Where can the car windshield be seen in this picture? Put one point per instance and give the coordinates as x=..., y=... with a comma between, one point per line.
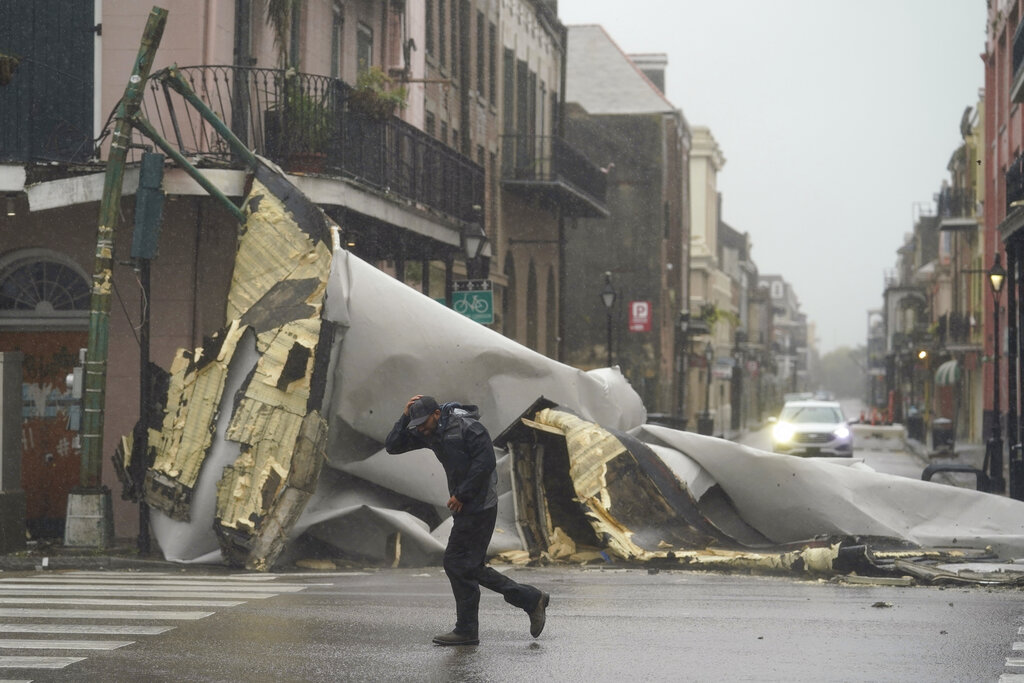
x=820, y=414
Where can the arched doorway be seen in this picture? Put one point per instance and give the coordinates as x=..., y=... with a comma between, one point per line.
x=44, y=314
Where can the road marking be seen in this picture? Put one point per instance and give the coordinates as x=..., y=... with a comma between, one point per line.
x=1018, y=645
x=206, y=585
x=114, y=602
x=1015, y=661
x=99, y=614
x=120, y=592
x=87, y=629
x=42, y=644
x=105, y=574
x=37, y=662
x=122, y=596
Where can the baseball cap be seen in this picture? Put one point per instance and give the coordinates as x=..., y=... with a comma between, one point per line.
x=421, y=410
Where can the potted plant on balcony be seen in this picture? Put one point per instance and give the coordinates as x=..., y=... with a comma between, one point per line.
x=376, y=95
x=299, y=128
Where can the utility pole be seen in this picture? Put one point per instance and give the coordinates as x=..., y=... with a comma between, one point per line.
x=90, y=519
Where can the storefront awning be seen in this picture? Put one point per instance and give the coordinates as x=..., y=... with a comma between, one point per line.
x=948, y=374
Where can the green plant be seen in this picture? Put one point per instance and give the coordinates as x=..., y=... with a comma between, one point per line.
x=305, y=119
x=376, y=94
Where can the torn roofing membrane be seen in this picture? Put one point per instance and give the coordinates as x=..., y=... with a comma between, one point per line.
x=319, y=353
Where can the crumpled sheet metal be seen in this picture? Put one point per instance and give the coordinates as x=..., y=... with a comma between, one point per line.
x=392, y=342
x=638, y=508
x=395, y=343
x=788, y=499
x=278, y=286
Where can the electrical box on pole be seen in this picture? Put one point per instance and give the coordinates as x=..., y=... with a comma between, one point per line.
x=149, y=207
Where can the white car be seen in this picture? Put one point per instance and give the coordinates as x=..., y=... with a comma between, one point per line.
x=812, y=428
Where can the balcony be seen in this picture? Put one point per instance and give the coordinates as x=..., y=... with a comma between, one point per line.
x=305, y=123
x=1017, y=77
x=957, y=210
x=955, y=332
x=547, y=167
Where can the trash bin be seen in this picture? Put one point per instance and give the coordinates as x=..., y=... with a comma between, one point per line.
x=942, y=433
x=915, y=427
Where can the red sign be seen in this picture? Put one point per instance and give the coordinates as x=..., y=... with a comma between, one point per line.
x=639, y=316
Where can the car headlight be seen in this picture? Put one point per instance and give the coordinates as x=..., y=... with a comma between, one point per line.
x=842, y=431
x=782, y=432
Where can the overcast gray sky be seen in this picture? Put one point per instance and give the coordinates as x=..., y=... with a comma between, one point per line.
x=835, y=119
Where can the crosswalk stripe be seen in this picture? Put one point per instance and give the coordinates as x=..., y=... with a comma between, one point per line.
x=126, y=591
x=37, y=662
x=250, y=577
x=100, y=614
x=87, y=629
x=275, y=588
x=115, y=602
x=42, y=644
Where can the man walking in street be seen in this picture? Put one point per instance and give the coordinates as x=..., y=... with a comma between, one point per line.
x=463, y=447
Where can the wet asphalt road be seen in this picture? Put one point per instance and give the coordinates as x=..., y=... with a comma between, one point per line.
x=604, y=624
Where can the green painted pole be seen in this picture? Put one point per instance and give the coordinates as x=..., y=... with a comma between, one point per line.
x=110, y=206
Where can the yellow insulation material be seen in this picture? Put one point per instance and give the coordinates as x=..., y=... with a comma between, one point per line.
x=270, y=250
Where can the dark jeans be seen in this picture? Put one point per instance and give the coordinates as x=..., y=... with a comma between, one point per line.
x=464, y=565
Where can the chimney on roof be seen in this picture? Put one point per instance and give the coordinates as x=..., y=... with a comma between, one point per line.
x=653, y=66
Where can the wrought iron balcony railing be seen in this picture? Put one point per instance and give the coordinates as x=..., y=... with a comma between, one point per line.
x=956, y=203
x=549, y=166
x=954, y=329
x=1015, y=183
x=308, y=122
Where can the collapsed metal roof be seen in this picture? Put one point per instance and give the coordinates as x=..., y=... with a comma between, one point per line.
x=271, y=444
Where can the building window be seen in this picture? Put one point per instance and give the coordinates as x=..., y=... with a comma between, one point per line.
x=38, y=284
x=337, y=31
x=364, y=47
x=296, y=32
x=453, y=17
x=481, y=55
x=430, y=124
x=480, y=158
x=509, y=92
x=444, y=132
x=492, y=66
x=430, y=27
x=442, y=42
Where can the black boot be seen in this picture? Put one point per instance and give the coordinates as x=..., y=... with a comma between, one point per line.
x=539, y=615
x=456, y=638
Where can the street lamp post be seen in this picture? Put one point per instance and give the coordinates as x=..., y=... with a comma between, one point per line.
x=994, y=452
x=705, y=425
x=684, y=362
x=608, y=297
x=474, y=239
